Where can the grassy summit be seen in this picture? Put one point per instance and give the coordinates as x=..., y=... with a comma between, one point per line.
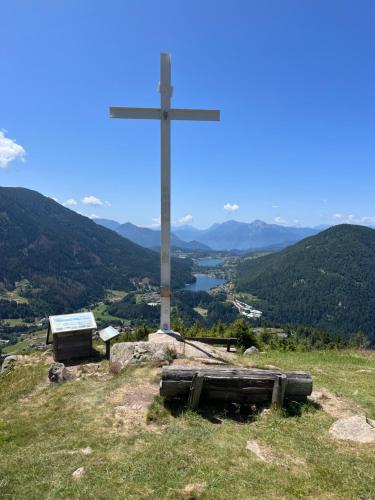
x=139, y=450
x=326, y=281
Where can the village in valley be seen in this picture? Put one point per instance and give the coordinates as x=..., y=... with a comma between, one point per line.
x=18, y=335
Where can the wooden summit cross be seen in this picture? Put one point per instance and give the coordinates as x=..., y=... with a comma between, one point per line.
x=165, y=114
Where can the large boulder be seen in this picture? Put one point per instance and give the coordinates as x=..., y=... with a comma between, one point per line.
x=125, y=353
x=9, y=363
x=356, y=428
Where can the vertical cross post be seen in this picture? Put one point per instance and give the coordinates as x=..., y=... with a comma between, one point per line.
x=165, y=114
x=165, y=90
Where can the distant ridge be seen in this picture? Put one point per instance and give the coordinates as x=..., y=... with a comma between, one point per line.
x=234, y=235
x=148, y=238
x=226, y=236
x=108, y=223
x=327, y=281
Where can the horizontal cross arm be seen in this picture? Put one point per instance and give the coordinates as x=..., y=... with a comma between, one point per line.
x=209, y=115
x=135, y=113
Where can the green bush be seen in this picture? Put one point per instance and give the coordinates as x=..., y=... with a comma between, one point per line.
x=244, y=334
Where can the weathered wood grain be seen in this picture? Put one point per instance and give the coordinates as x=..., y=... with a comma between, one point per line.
x=236, y=384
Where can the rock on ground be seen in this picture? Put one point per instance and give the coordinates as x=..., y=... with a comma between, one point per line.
x=125, y=353
x=356, y=428
x=58, y=374
x=250, y=351
x=86, y=451
x=190, y=349
x=79, y=473
x=162, y=349
x=9, y=363
x=254, y=447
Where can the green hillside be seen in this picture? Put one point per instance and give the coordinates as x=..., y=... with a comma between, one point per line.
x=64, y=260
x=327, y=281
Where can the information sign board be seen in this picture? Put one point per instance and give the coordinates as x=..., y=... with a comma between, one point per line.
x=108, y=333
x=72, y=322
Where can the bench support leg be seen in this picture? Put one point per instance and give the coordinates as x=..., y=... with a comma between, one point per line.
x=278, y=391
x=195, y=391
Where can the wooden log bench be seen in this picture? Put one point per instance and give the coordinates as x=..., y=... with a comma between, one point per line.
x=233, y=385
x=226, y=341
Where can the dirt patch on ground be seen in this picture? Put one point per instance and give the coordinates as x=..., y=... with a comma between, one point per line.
x=202, y=362
x=193, y=491
x=268, y=455
x=131, y=401
x=334, y=405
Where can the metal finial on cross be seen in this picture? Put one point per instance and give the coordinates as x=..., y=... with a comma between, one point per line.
x=165, y=114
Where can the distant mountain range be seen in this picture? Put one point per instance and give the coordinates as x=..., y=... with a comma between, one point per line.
x=230, y=235
x=63, y=260
x=326, y=281
x=147, y=237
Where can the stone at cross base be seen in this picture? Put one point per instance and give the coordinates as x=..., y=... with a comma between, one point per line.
x=165, y=337
x=190, y=349
x=162, y=348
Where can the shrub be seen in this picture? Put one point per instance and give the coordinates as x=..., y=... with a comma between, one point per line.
x=244, y=334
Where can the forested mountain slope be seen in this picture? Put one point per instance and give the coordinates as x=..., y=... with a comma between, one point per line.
x=66, y=258
x=327, y=280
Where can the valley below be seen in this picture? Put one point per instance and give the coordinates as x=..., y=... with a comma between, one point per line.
x=56, y=261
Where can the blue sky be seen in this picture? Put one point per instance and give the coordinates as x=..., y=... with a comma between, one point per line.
x=295, y=82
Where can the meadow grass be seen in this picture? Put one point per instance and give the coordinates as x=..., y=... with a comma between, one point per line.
x=101, y=313
x=24, y=345
x=189, y=455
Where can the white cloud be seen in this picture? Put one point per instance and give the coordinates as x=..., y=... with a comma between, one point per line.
x=275, y=206
x=353, y=219
x=186, y=219
x=9, y=150
x=70, y=202
x=349, y=219
x=368, y=219
x=92, y=200
x=228, y=207
x=108, y=203
x=93, y=216
x=280, y=220
x=155, y=222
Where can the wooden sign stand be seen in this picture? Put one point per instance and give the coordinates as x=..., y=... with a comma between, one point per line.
x=106, y=335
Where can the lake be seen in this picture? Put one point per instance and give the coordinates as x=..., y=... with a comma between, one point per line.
x=209, y=262
x=204, y=283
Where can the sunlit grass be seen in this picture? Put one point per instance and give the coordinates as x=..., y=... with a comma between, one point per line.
x=43, y=427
